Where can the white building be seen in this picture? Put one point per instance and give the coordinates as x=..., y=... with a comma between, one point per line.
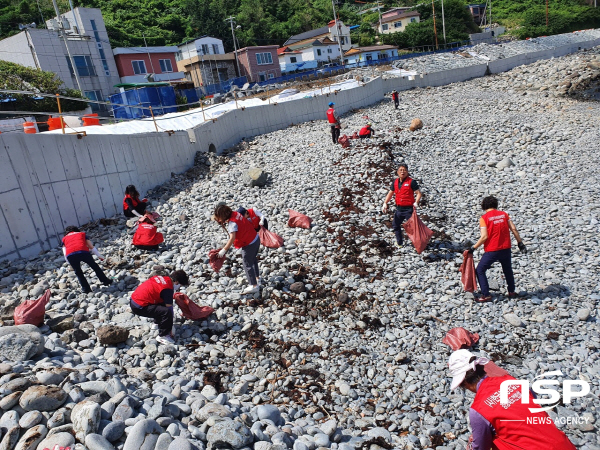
x=395, y=21
x=339, y=33
x=89, y=47
x=308, y=54
x=202, y=46
x=361, y=56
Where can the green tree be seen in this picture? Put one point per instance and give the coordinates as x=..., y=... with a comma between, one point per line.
x=20, y=78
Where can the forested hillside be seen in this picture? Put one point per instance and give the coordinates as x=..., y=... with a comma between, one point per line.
x=169, y=22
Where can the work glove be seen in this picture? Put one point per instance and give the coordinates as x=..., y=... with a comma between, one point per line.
x=416, y=205
x=522, y=248
x=97, y=253
x=222, y=253
x=262, y=221
x=470, y=250
x=385, y=208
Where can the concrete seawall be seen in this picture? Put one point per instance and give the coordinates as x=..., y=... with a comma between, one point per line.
x=50, y=181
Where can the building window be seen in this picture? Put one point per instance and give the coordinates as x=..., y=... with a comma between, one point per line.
x=96, y=96
x=384, y=27
x=319, y=52
x=84, y=65
x=166, y=66
x=369, y=57
x=264, y=58
x=342, y=40
x=398, y=24
x=215, y=49
x=293, y=59
x=329, y=50
x=262, y=76
x=271, y=76
x=475, y=10
x=413, y=19
x=139, y=67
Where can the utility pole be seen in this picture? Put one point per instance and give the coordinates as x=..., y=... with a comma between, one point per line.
x=61, y=29
x=443, y=23
x=231, y=19
x=546, y=13
x=148, y=51
x=339, y=32
x=434, y=28
x=379, y=10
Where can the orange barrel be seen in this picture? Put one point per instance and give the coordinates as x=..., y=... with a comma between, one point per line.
x=91, y=120
x=29, y=127
x=54, y=123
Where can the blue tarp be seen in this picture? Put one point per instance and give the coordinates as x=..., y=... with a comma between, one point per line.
x=162, y=99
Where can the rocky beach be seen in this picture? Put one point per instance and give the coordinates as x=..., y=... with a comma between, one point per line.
x=342, y=349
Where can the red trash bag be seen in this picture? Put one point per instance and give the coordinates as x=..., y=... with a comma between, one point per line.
x=32, y=311
x=354, y=136
x=269, y=239
x=298, y=220
x=344, y=141
x=213, y=259
x=191, y=310
x=468, y=277
x=458, y=338
x=417, y=232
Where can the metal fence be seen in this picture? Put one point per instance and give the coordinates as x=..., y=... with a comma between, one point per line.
x=220, y=88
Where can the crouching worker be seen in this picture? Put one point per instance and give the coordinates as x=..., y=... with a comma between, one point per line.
x=257, y=218
x=146, y=236
x=242, y=235
x=77, y=248
x=366, y=132
x=132, y=205
x=499, y=425
x=154, y=299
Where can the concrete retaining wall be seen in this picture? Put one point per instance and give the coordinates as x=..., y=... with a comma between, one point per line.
x=51, y=181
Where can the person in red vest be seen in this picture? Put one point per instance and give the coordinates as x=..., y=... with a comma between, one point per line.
x=255, y=216
x=334, y=123
x=154, y=299
x=404, y=189
x=495, y=227
x=242, y=235
x=146, y=236
x=77, y=248
x=132, y=205
x=396, y=98
x=502, y=426
x=366, y=131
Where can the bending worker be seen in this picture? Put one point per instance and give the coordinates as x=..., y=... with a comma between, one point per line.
x=334, y=123
x=494, y=227
x=242, y=235
x=366, y=131
x=77, y=248
x=154, y=299
x=404, y=189
x=132, y=205
x=502, y=426
x=146, y=236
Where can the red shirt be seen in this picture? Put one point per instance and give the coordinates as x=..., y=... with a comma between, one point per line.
x=75, y=242
x=148, y=293
x=515, y=426
x=146, y=235
x=246, y=233
x=365, y=131
x=496, y=223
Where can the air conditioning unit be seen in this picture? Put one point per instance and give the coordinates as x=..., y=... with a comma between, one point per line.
x=53, y=24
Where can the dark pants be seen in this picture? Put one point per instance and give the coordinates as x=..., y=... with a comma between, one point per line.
x=147, y=247
x=396, y=103
x=335, y=134
x=140, y=208
x=487, y=260
x=400, y=216
x=250, y=262
x=162, y=316
x=362, y=136
x=76, y=259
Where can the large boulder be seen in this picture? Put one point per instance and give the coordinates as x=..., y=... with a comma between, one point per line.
x=229, y=434
x=42, y=398
x=255, y=177
x=86, y=419
x=60, y=324
x=143, y=434
x=20, y=343
x=112, y=335
x=416, y=124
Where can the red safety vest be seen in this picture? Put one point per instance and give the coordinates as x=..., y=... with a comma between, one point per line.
x=498, y=231
x=395, y=95
x=146, y=235
x=254, y=219
x=331, y=116
x=365, y=131
x=75, y=242
x=148, y=293
x=133, y=201
x=245, y=232
x=405, y=196
x=516, y=427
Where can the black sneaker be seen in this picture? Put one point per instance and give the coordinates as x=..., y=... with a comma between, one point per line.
x=108, y=283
